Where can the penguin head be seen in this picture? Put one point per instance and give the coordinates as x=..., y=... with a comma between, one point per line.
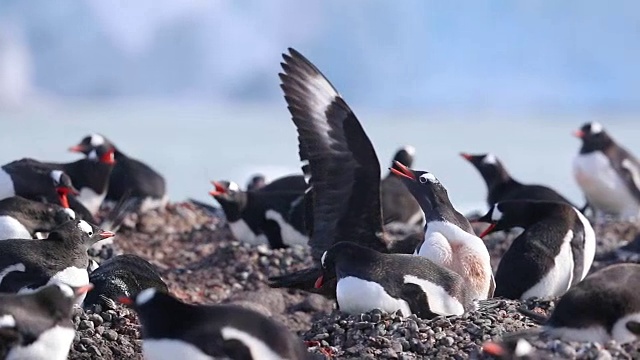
x=62, y=214
x=405, y=156
x=515, y=349
x=91, y=142
x=103, y=154
x=496, y=219
x=231, y=198
x=509, y=214
x=424, y=186
x=346, y=251
x=79, y=230
x=58, y=298
x=593, y=136
x=256, y=182
x=151, y=305
x=489, y=166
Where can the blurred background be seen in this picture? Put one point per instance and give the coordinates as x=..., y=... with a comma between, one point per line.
x=191, y=86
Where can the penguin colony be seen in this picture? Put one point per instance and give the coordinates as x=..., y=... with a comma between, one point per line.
x=340, y=207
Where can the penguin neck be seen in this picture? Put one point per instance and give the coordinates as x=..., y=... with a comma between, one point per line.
x=601, y=145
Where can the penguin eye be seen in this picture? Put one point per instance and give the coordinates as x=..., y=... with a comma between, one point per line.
x=425, y=178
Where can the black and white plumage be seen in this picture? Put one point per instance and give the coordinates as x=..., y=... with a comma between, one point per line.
x=38, y=326
x=368, y=279
x=26, y=265
x=265, y=216
x=398, y=205
x=122, y=275
x=449, y=240
x=256, y=182
x=130, y=177
x=604, y=306
x=501, y=186
x=172, y=329
x=21, y=218
x=554, y=252
x=607, y=173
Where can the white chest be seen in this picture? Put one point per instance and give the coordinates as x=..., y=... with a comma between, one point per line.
x=90, y=199
x=6, y=185
x=558, y=280
x=169, y=349
x=290, y=236
x=242, y=232
x=589, y=250
x=53, y=344
x=74, y=277
x=603, y=186
x=257, y=347
x=10, y=228
x=356, y=296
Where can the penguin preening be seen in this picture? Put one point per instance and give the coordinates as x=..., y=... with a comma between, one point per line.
x=554, y=252
x=607, y=173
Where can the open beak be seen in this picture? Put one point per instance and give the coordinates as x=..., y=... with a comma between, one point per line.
x=466, y=156
x=579, y=134
x=83, y=289
x=319, y=282
x=125, y=300
x=77, y=148
x=487, y=230
x=107, y=234
x=403, y=172
x=219, y=189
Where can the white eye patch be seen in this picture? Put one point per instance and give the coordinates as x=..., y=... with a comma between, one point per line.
x=85, y=227
x=496, y=215
x=490, y=159
x=93, y=155
x=70, y=212
x=145, y=296
x=428, y=177
x=596, y=128
x=96, y=140
x=233, y=186
x=324, y=256
x=56, y=175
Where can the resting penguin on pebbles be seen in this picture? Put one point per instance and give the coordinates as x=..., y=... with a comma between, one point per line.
x=38, y=326
x=608, y=174
x=174, y=330
x=554, y=252
x=449, y=240
x=348, y=241
x=604, y=306
x=21, y=218
x=26, y=265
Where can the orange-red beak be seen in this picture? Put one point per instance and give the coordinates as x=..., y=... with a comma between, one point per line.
x=77, y=148
x=579, y=134
x=125, y=300
x=83, y=289
x=466, y=156
x=319, y=282
x=492, y=348
x=219, y=189
x=487, y=230
x=107, y=234
x=403, y=172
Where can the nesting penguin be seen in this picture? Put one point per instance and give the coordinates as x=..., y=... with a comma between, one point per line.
x=554, y=252
x=26, y=265
x=501, y=186
x=173, y=330
x=21, y=218
x=38, y=326
x=263, y=216
x=604, y=306
x=607, y=173
x=449, y=240
x=129, y=177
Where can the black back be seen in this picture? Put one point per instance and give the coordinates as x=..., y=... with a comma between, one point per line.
x=33, y=215
x=344, y=168
x=123, y=275
x=502, y=187
x=532, y=254
x=92, y=173
x=600, y=299
x=165, y=317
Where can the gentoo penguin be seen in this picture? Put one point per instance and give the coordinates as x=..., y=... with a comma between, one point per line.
x=128, y=175
x=256, y=182
x=554, y=252
x=607, y=173
x=343, y=169
x=90, y=176
x=604, y=306
x=398, y=205
x=172, y=330
x=21, y=218
x=123, y=275
x=26, y=265
x=501, y=186
x=262, y=216
x=516, y=348
x=368, y=279
x=38, y=326
x=449, y=240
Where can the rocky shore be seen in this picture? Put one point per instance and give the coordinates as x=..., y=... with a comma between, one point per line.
x=201, y=263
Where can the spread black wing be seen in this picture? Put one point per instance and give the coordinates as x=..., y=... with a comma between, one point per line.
x=344, y=168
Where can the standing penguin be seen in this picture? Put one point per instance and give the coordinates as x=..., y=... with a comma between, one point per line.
x=501, y=186
x=449, y=240
x=38, y=326
x=554, y=252
x=21, y=218
x=173, y=330
x=26, y=265
x=607, y=173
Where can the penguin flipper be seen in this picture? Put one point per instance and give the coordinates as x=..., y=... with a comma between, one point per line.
x=417, y=300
